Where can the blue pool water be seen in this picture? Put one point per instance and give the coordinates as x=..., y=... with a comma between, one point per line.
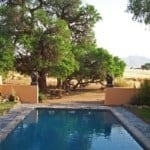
x=53, y=129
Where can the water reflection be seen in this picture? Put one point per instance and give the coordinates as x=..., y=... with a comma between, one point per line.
x=68, y=130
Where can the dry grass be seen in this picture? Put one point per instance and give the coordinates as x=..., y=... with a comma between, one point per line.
x=17, y=79
x=134, y=77
x=136, y=74
x=120, y=82
x=5, y=107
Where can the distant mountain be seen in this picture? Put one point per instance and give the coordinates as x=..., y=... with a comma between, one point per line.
x=136, y=61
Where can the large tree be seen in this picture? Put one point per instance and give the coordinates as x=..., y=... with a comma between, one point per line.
x=118, y=67
x=140, y=10
x=94, y=66
x=6, y=52
x=49, y=50
x=43, y=32
x=80, y=18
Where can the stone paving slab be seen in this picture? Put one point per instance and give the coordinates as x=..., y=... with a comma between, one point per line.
x=135, y=121
x=10, y=120
x=135, y=125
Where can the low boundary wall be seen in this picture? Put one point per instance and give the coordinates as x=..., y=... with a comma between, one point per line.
x=119, y=96
x=26, y=93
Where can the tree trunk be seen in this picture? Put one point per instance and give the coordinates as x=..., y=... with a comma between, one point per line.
x=34, y=78
x=59, y=83
x=42, y=81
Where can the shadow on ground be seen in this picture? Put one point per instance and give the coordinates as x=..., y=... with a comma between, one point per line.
x=87, y=95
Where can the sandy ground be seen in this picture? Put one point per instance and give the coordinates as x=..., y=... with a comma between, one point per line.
x=91, y=94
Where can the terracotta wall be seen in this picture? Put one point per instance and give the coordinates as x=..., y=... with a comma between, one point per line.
x=119, y=96
x=0, y=89
x=26, y=93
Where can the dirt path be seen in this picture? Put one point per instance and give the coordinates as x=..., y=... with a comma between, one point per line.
x=91, y=94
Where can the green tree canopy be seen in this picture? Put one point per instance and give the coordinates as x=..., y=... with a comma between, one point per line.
x=146, y=66
x=118, y=67
x=95, y=64
x=6, y=53
x=43, y=33
x=140, y=10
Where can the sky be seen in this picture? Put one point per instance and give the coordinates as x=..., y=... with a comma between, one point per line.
x=117, y=32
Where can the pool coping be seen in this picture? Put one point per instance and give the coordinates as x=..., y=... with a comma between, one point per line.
x=10, y=120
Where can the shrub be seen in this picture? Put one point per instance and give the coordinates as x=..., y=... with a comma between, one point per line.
x=13, y=97
x=42, y=97
x=143, y=96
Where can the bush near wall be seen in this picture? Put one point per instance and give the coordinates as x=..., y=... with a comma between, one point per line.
x=143, y=96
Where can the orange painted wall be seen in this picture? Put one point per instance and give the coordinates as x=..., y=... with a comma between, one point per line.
x=0, y=89
x=119, y=96
x=26, y=93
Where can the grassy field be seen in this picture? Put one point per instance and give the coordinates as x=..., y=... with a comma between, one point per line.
x=5, y=107
x=142, y=112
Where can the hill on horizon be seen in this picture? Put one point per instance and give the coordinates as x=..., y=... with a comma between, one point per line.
x=136, y=61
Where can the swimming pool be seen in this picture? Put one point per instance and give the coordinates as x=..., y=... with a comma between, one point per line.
x=60, y=129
